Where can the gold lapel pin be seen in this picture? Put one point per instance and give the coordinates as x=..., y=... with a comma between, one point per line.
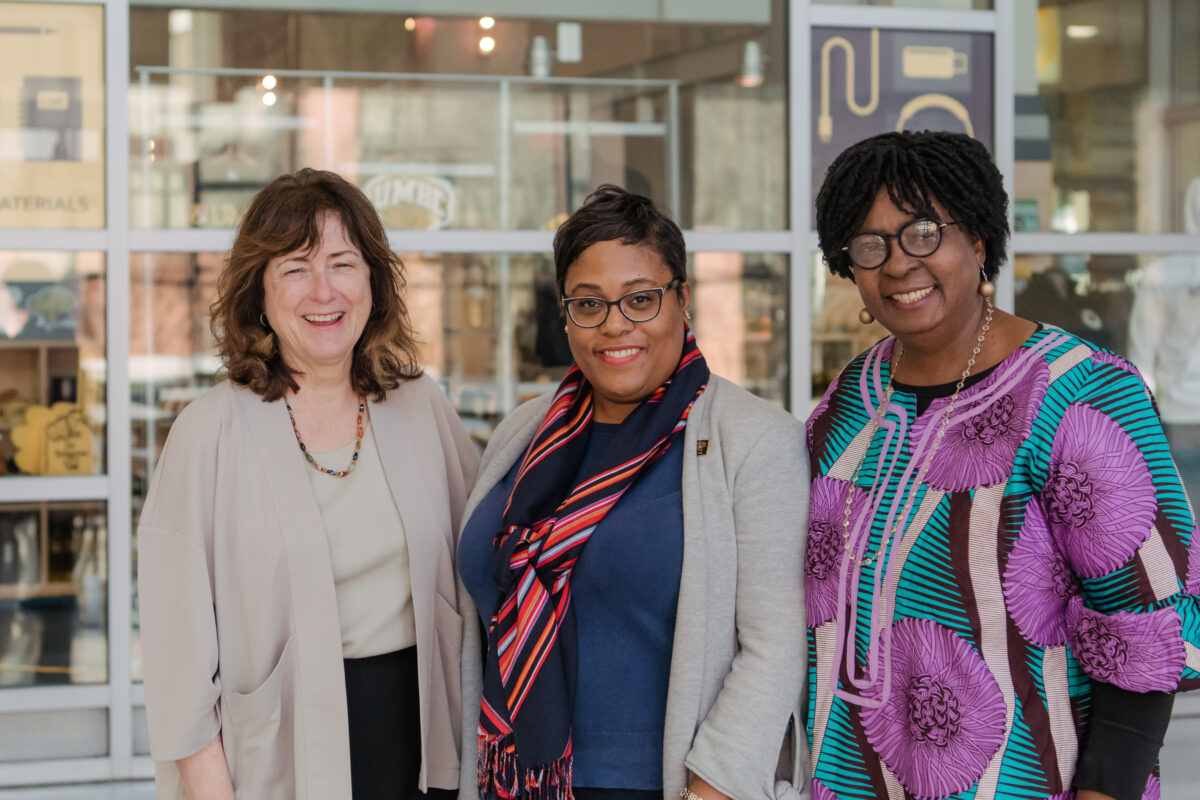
x=702, y=447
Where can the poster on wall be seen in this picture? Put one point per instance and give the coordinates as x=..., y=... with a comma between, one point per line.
x=867, y=81
x=51, y=115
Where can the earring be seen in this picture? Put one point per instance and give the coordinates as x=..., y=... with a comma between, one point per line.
x=687, y=315
x=987, y=288
x=866, y=317
x=262, y=320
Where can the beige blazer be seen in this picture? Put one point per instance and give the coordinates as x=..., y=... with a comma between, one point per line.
x=239, y=618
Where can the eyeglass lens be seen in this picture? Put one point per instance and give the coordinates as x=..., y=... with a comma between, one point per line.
x=918, y=238
x=641, y=306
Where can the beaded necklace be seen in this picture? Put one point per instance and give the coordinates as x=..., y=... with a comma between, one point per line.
x=362, y=407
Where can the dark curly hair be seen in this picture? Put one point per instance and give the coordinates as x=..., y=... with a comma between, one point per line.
x=286, y=217
x=917, y=168
x=613, y=214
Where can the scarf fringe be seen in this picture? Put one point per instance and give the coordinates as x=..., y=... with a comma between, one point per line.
x=498, y=771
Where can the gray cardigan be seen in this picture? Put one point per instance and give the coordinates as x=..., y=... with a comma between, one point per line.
x=737, y=665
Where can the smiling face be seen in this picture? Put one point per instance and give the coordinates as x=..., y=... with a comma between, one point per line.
x=930, y=301
x=625, y=361
x=318, y=301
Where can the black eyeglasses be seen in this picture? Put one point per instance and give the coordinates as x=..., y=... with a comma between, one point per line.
x=640, y=306
x=919, y=238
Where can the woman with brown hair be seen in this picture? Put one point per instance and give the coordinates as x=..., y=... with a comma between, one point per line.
x=299, y=621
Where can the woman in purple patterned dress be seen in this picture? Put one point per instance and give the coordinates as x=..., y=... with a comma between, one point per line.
x=1002, y=566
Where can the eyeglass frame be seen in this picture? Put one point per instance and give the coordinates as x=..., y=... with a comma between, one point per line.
x=662, y=294
x=888, y=237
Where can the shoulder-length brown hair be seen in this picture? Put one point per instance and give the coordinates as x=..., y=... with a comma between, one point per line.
x=286, y=217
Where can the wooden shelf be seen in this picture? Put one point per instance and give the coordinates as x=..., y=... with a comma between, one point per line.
x=24, y=591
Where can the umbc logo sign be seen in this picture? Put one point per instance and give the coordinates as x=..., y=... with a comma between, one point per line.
x=412, y=202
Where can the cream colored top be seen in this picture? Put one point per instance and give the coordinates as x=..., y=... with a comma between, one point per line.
x=369, y=552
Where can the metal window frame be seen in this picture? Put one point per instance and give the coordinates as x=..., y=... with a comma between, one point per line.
x=114, y=486
x=119, y=696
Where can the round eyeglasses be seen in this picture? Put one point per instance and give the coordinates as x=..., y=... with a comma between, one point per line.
x=640, y=306
x=919, y=238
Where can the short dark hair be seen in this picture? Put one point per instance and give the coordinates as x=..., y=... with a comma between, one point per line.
x=916, y=168
x=613, y=214
x=286, y=217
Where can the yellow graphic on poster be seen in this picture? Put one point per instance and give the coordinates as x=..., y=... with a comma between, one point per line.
x=51, y=115
x=54, y=441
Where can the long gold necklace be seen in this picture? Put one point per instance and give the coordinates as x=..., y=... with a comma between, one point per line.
x=911, y=493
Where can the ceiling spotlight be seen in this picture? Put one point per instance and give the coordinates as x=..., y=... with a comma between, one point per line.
x=269, y=82
x=410, y=24
x=487, y=23
x=752, y=66
x=269, y=99
x=1082, y=31
x=179, y=21
x=487, y=44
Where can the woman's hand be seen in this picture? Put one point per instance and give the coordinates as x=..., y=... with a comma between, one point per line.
x=700, y=787
x=205, y=774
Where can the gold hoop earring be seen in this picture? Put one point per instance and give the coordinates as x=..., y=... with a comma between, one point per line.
x=987, y=288
x=866, y=317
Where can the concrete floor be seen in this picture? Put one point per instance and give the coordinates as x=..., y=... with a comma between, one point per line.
x=1180, y=769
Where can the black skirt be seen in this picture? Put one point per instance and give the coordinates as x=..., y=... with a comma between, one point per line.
x=383, y=702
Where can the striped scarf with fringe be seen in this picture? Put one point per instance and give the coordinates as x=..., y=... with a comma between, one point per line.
x=529, y=675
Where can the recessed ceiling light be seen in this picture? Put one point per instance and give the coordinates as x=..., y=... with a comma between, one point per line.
x=487, y=44
x=487, y=23
x=1082, y=31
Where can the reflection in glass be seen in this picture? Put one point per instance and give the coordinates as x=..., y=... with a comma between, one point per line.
x=1106, y=115
x=53, y=594
x=740, y=315
x=442, y=137
x=171, y=362
x=52, y=363
x=837, y=333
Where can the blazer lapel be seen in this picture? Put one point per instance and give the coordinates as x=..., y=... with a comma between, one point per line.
x=295, y=505
x=408, y=444
x=314, y=598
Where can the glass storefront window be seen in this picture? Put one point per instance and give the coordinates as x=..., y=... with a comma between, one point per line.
x=52, y=116
x=1107, y=113
x=837, y=333
x=53, y=594
x=692, y=114
x=52, y=363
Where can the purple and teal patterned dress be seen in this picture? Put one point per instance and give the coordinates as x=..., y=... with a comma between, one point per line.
x=1050, y=540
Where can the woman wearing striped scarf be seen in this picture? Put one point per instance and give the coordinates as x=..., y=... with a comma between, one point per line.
x=633, y=551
